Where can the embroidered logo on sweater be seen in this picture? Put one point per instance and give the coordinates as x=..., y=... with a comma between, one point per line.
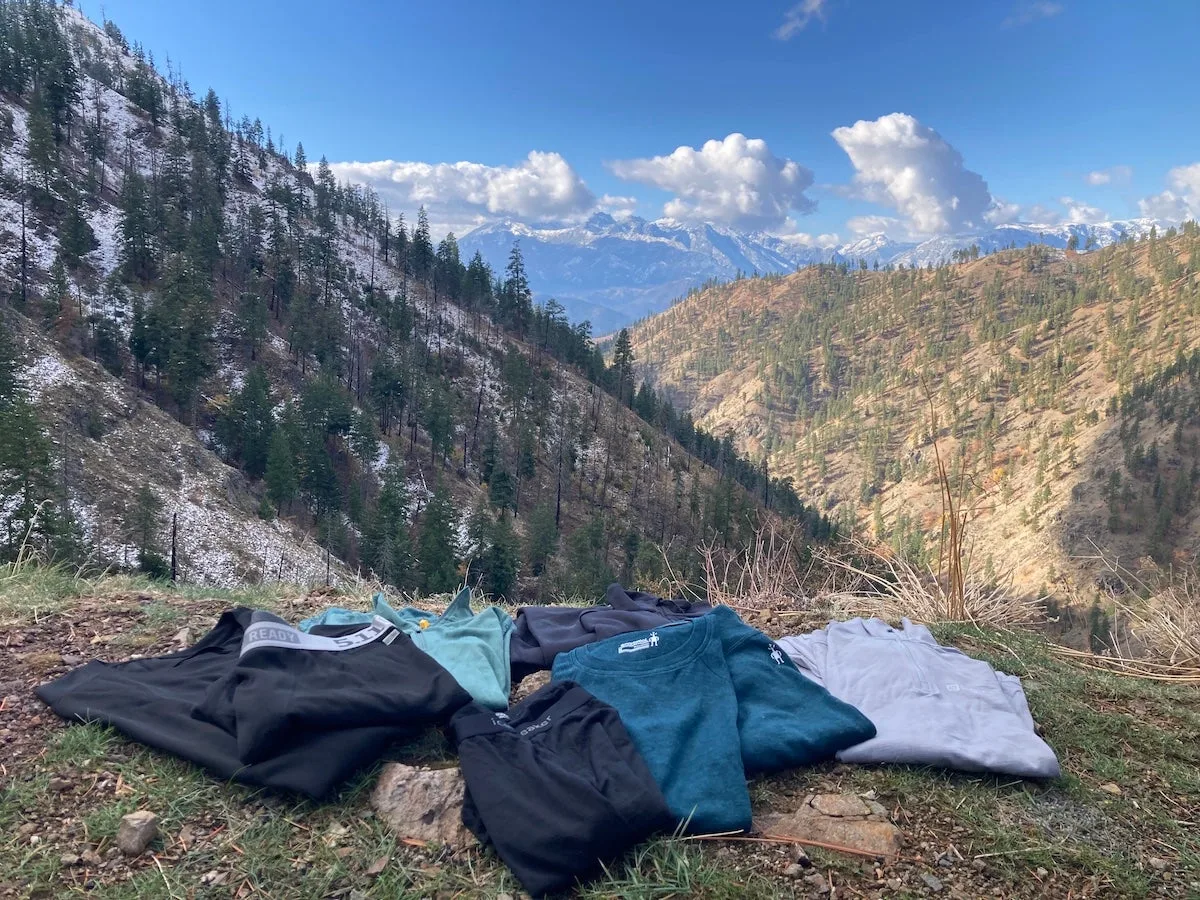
x=777, y=655
x=639, y=644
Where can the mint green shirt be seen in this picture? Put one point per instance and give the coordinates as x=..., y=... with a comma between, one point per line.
x=473, y=648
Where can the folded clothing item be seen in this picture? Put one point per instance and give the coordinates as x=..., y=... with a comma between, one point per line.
x=260, y=702
x=555, y=785
x=473, y=648
x=932, y=705
x=542, y=632
x=707, y=701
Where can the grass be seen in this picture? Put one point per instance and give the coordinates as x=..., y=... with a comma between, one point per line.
x=223, y=840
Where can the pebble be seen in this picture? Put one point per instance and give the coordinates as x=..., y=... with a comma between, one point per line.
x=801, y=856
x=1157, y=864
x=795, y=870
x=59, y=784
x=1111, y=788
x=817, y=882
x=136, y=832
x=69, y=859
x=91, y=858
x=978, y=865
x=931, y=881
x=71, y=660
x=945, y=861
x=1041, y=872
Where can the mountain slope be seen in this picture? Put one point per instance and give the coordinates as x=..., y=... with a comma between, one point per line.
x=1048, y=374
x=613, y=273
x=210, y=323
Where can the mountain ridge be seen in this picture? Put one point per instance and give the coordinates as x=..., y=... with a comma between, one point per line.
x=613, y=272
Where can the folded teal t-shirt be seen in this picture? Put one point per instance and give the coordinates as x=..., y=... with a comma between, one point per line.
x=674, y=694
x=709, y=701
x=472, y=648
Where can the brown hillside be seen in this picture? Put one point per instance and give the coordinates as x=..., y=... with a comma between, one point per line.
x=828, y=374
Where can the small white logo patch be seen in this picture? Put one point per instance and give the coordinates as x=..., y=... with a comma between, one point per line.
x=639, y=644
x=776, y=655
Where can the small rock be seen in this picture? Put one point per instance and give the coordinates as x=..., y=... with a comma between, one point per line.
x=1111, y=788
x=945, y=861
x=817, y=882
x=1041, y=872
x=26, y=828
x=1157, y=864
x=377, y=867
x=213, y=878
x=183, y=637
x=91, y=858
x=58, y=784
x=931, y=881
x=137, y=830
x=799, y=854
x=839, y=805
x=71, y=660
x=69, y=859
x=978, y=865
x=894, y=884
x=422, y=803
x=795, y=870
x=878, y=808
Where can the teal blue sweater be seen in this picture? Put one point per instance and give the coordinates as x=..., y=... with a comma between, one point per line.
x=708, y=701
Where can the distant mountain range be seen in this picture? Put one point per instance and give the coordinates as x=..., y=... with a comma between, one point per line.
x=615, y=272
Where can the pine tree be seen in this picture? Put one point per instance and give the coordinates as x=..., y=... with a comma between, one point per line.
x=252, y=321
x=137, y=253
x=588, y=571
x=76, y=237
x=282, y=485
x=437, y=551
x=247, y=426
x=502, y=560
x=386, y=546
x=622, y=367
x=542, y=540
x=42, y=152
x=144, y=525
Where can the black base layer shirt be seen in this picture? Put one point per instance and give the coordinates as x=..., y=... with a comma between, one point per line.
x=556, y=785
x=260, y=702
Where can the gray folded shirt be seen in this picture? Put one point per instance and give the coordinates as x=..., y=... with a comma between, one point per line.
x=931, y=705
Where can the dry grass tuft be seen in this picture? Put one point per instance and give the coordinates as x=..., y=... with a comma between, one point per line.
x=880, y=584
x=765, y=575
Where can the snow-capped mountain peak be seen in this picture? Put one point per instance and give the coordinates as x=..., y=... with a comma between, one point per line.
x=613, y=272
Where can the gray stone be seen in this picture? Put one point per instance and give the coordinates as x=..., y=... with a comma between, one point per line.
x=422, y=804
x=839, y=805
x=91, y=858
x=931, y=881
x=817, y=882
x=137, y=830
x=183, y=637
x=69, y=859
x=1157, y=864
x=878, y=809
x=795, y=870
x=70, y=660
x=58, y=784
x=894, y=884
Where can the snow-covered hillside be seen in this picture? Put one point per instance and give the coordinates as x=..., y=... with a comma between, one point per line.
x=614, y=272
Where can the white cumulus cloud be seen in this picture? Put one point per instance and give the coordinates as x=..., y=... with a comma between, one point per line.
x=458, y=195
x=620, y=208
x=1080, y=213
x=1180, y=201
x=737, y=181
x=797, y=17
x=1111, y=175
x=910, y=167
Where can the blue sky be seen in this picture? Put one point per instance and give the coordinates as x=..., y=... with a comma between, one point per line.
x=1094, y=102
